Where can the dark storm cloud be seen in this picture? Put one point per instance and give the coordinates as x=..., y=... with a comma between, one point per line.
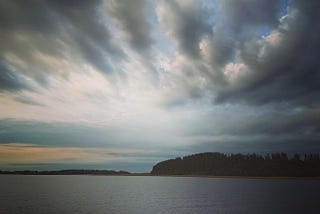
x=305, y=123
x=243, y=15
x=248, y=129
x=186, y=24
x=235, y=23
x=262, y=145
x=132, y=17
x=64, y=30
x=280, y=67
x=261, y=141
x=271, y=123
x=289, y=71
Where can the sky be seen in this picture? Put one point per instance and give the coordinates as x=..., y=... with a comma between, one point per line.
x=123, y=84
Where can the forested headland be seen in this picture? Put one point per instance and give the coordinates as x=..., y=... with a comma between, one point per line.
x=219, y=164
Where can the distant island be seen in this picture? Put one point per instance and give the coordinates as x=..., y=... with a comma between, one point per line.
x=67, y=172
x=250, y=165
x=214, y=164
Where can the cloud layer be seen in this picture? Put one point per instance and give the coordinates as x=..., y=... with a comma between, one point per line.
x=171, y=76
x=248, y=51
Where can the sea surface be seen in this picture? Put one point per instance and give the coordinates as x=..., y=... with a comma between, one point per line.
x=122, y=194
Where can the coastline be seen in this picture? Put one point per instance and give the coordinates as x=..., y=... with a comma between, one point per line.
x=185, y=176
x=217, y=176
x=242, y=177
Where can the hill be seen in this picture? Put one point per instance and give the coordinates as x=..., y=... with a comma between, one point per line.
x=219, y=164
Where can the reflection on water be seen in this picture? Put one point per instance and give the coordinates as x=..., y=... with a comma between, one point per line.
x=117, y=194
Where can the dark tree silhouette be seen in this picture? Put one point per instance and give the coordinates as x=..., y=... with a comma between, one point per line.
x=219, y=164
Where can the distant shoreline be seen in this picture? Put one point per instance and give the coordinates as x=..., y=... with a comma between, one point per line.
x=217, y=176
x=65, y=172
x=186, y=176
x=240, y=177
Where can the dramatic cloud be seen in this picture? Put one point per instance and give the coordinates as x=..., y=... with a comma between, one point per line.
x=243, y=16
x=282, y=66
x=42, y=38
x=185, y=23
x=132, y=17
x=165, y=77
x=248, y=51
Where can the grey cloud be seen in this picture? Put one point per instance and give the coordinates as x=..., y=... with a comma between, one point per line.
x=305, y=124
x=9, y=81
x=275, y=71
x=69, y=135
x=289, y=72
x=236, y=22
x=259, y=143
x=132, y=17
x=42, y=134
x=54, y=134
x=27, y=100
x=186, y=24
x=64, y=30
x=262, y=145
x=89, y=32
x=270, y=121
x=20, y=15
x=250, y=129
x=93, y=53
x=243, y=15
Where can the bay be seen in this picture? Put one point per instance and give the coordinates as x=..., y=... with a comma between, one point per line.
x=83, y=194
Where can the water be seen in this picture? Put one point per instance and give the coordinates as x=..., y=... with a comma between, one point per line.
x=120, y=194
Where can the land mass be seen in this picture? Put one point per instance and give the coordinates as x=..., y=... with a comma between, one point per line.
x=250, y=165
x=67, y=172
x=213, y=164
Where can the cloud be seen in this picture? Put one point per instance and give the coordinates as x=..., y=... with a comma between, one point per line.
x=138, y=131
x=303, y=124
x=9, y=80
x=242, y=16
x=51, y=134
x=14, y=153
x=247, y=51
x=27, y=100
x=35, y=34
x=283, y=66
x=184, y=22
x=244, y=51
x=132, y=18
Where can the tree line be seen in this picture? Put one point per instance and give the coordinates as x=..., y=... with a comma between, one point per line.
x=219, y=164
x=67, y=172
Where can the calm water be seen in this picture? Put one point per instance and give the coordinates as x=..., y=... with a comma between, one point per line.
x=103, y=194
